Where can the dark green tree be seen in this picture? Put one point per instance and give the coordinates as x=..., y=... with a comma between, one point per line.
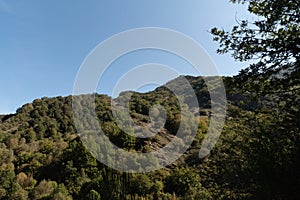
x=93, y=195
x=141, y=185
x=183, y=181
x=272, y=42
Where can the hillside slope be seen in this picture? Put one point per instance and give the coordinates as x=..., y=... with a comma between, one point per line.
x=257, y=156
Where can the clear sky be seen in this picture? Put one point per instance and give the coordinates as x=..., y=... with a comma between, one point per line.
x=44, y=42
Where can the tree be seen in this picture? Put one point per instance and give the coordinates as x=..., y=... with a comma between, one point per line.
x=183, y=181
x=18, y=192
x=273, y=43
x=44, y=189
x=141, y=185
x=7, y=176
x=93, y=195
x=61, y=193
x=272, y=40
x=26, y=182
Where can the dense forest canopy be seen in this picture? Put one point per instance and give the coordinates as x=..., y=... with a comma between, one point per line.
x=256, y=157
x=43, y=158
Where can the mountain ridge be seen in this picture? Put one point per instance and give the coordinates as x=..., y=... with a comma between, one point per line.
x=42, y=157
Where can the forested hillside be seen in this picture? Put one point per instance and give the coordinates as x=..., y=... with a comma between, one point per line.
x=256, y=157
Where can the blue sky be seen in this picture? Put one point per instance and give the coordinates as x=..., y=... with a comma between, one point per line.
x=43, y=43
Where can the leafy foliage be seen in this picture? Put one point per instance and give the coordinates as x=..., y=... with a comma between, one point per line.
x=257, y=156
x=272, y=41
